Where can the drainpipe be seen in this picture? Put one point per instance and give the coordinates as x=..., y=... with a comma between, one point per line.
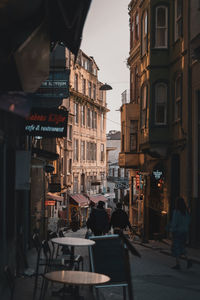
x=189, y=135
x=4, y=201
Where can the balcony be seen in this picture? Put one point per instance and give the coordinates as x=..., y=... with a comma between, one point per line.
x=131, y=160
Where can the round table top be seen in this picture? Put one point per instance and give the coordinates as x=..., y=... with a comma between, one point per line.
x=72, y=241
x=77, y=277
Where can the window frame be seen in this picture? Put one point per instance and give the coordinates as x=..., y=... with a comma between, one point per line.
x=157, y=103
x=76, y=150
x=178, y=19
x=144, y=33
x=76, y=110
x=161, y=27
x=84, y=86
x=89, y=89
x=133, y=134
x=178, y=99
x=83, y=115
x=88, y=117
x=76, y=82
x=144, y=107
x=82, y=150
x=136, y=19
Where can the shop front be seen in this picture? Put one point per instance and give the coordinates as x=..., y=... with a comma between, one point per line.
x=78, y=210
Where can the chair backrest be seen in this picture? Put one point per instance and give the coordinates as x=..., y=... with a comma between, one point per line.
x=36, y=241
x=109, y=256
x=47, y=254
x=61, y=234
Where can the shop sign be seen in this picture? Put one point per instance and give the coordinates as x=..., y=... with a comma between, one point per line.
x=47, y=123
x=57, y=85
x=157, y=174
x=50, y=203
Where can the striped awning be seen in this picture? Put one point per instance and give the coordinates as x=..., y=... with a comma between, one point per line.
x=97, y=198
x=80, y=199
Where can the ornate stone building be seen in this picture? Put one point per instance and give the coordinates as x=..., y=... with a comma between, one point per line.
x=87, y=105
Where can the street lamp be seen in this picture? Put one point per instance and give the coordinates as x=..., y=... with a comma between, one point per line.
x=105, y=87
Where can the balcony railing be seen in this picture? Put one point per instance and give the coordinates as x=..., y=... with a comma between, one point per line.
x=125, y=97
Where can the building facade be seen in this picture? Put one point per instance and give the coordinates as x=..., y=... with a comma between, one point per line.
x=156, y=125
x=88, y=108
x=117, y=178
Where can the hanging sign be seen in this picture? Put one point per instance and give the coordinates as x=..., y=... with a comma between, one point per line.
x=157, y=174
x=47, y=123
x=57, y=85
x=50, y=203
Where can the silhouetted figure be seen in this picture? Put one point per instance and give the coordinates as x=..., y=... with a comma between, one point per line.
x=119, y=219
x=179, y=228
x=98, y=220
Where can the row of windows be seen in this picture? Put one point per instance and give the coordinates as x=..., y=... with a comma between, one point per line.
x=161, y=103
x=87, y=184
x=91, y=120
x=161, y=26
x=88, y=151
x=87, y=88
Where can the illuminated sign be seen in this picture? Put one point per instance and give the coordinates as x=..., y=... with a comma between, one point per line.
x=47, y=123
x=157, y=174
x=57, y=85
x=50, y=202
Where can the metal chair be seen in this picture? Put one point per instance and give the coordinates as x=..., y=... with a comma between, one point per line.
x=110, y=256
x=10, y=280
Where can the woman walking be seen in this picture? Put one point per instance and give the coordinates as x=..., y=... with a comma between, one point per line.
x=179, y=228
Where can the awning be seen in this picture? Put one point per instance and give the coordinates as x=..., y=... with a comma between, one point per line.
x=98, y=198
x=79, y=199
x=54, y=197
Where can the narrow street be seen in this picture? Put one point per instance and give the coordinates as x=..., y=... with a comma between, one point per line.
x=153, y=278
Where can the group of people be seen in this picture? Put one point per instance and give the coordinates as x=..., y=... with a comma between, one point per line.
x=101, y=223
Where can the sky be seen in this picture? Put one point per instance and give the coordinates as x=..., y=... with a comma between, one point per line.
x=106, y=38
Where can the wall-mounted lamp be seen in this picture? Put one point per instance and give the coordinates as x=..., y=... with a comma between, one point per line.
x=105, y=87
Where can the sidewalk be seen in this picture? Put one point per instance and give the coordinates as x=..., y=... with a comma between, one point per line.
x=164, y=246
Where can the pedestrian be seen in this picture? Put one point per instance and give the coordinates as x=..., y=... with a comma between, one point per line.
x=98, y=220
x=119, y=220
x=179, y=227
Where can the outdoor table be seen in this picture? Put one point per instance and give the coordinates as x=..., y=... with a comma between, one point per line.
x=76, y=278
x=73, y=242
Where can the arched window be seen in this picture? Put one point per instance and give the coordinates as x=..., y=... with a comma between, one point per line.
x=161, y=24
x=161, y=103
x=144, y=33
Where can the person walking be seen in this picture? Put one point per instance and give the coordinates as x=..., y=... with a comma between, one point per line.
x=119, y=220
x=179, y=227
x=98, y=220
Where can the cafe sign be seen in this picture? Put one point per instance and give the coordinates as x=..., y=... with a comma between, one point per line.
x=47, y=123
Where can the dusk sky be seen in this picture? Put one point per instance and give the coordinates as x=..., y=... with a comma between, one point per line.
x=106, y=38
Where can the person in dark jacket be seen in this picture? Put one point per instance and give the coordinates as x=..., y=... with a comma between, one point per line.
x=119, y=219
x=98, y=220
